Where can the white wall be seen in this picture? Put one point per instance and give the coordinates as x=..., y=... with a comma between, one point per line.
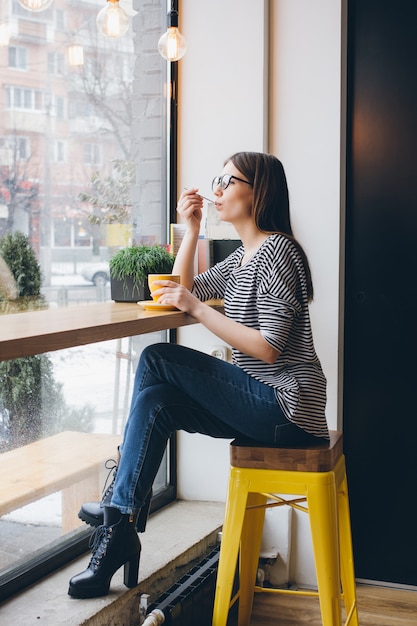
x=305, y=134
x=222, y=90
x=222, y=105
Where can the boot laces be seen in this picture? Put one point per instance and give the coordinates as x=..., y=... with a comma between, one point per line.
x=110, y=465
x=98, y=543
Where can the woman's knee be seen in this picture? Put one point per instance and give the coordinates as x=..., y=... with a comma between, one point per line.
x=161, y=403
x=149, y=355
x=151, y=352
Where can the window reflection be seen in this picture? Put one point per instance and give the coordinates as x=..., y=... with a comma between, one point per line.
x=61, y=126
x=75, y=396
x=82, y=173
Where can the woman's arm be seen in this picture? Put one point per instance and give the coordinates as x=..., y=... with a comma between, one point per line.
x=184, y=261
x=190, y=210
x=241, y=337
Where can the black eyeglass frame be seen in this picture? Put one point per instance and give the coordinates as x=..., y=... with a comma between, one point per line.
x=218, y=181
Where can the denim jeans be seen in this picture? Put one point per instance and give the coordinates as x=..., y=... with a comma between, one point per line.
x=177, y=388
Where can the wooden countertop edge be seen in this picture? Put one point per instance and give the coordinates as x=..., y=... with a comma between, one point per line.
x=35, y=332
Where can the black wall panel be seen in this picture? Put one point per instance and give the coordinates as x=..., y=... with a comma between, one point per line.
x=380, y=387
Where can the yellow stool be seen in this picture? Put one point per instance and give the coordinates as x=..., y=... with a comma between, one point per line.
x=318, y=474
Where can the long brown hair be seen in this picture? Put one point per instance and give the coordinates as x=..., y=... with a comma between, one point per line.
x=271, y=206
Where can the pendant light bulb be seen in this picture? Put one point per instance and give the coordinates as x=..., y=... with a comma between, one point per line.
x=35, y=5
x=172, y=45
x=112, y=21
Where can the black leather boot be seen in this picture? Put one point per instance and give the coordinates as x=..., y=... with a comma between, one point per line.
x=114, y=544
x=92, y=513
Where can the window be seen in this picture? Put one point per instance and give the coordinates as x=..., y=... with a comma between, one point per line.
x=46, y=170
x=59, y=108
x=22, y=148
x=62, y=232
x=17, y=57
x=60, y=19
x=24, y=98
x=15, y=147
x=92, y=154
x=56, y=63
x=60, y=151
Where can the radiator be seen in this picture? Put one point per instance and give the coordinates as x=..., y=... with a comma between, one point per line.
x=189, y=601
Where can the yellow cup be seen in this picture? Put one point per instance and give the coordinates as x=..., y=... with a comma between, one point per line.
x=153, y=277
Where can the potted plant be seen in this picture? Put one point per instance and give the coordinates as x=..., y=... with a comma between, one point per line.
x=129, y=269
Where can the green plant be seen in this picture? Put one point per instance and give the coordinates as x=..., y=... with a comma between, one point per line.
x=137, y=262
x=23, y=264
x=28, y=389
x=35, y=401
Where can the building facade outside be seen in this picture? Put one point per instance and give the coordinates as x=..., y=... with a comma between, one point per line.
x=69, y=142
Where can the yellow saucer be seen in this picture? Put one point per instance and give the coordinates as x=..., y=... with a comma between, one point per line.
x=155, y=306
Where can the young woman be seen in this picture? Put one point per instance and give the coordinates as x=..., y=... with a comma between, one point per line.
x=275, y=390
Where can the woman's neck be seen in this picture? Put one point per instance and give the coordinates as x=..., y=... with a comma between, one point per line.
x=252, y=238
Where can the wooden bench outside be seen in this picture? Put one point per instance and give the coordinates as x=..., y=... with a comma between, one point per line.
x=70, y=462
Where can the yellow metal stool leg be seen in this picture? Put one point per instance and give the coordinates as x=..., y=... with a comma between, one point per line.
x=250, y=548
x=322, y=506
x=229, y=549
x=346, y=555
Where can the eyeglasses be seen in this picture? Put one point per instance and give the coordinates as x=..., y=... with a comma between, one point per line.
x=224, y=181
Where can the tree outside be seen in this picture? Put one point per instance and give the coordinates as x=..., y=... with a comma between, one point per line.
x=62, y=126
x=29, y=393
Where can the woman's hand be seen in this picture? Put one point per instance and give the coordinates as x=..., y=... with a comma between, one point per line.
x=189, y=208
x=173, y=294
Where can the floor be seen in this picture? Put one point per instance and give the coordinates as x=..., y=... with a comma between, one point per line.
x=377, y=606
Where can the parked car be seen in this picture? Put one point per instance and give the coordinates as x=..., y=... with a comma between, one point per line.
x=97, y=273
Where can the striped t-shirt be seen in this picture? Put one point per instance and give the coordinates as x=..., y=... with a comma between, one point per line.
x=269, y=293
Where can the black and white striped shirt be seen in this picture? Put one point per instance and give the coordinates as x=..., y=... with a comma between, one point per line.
x=269, y=293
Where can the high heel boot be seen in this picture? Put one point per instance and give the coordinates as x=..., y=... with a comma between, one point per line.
x=92, y=513
x=114, y=544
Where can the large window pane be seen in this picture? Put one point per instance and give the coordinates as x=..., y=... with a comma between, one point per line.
x=80, y=391
x=83, y=149
x=72, y=134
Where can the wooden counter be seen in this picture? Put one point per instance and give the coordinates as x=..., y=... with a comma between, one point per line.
x=35, y=332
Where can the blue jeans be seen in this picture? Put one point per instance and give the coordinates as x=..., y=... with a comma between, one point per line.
x=177, y=388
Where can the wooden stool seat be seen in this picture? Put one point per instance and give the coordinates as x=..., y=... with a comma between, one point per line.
x=321, y=457
x=315, y=472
